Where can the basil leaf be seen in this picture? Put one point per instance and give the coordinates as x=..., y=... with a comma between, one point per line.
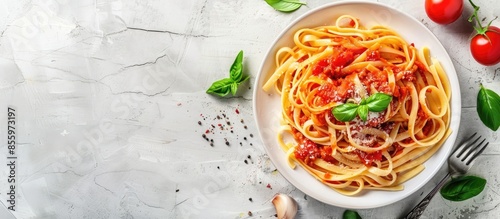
x=236, y=70
x=349, y=214
x=363, y=112
x=221, y=87
x=230, y=85
x=345, y=112
x=378, y=102
x=363, y=101
x=234, y=88
x=285, y=5
x=488, y=108
x=462, y=188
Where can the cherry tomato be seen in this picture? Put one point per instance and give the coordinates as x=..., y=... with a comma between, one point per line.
x=444, y=11
x=485, y=48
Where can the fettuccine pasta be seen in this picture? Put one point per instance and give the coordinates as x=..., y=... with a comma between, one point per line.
x=346, y=63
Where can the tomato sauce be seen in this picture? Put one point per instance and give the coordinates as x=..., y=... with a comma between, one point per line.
x=303, y=58
x=396, y=149
x=421, y=114
x=339, y=86
x=319, y=119
x=308, y=151
x=336, y=91
x=373, y=55
x=332, y=66
x=368, y=158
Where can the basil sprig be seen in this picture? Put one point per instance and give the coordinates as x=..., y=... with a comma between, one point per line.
x=350, y=214
x=285, y=5
x=488, y=108
x=462, y=188
x=225, y=86
x=377, y=102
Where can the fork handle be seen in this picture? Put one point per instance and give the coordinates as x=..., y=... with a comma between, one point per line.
x=418, y=210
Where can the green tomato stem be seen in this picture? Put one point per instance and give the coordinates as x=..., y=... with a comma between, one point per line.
x=480, y=30
x=475, y=17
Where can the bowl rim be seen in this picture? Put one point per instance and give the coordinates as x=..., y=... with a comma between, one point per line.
x=455, y=106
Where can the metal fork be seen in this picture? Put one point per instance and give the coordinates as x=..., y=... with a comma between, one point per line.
x=459, y=163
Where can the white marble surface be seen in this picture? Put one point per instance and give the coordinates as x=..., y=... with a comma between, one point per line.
x=108, y=95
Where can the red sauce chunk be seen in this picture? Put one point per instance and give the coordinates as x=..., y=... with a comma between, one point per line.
x=373, y=56
x=320, y=67
x=332, y=66
x=368, y=158
x=352, y=23
x=376, y=79
x=307, y=151
x=336, y=91
x=343, y=59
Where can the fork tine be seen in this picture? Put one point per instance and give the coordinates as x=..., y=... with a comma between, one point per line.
x=465, y=146
x=473, y=148
x=476, y=154
x=468, y=139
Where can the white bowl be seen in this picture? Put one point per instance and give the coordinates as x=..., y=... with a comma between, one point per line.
x=267, y=109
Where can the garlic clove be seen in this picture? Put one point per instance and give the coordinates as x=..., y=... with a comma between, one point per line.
x=286, y=206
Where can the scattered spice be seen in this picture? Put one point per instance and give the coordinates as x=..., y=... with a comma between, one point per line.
x=250, y=213
x=249, y=157
x=250, y=199
x=237, y=111
x=205, y=137
x=269, y=186
x=218, y=167
x=221, y=127
x=177, y=190
x=246, y=162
